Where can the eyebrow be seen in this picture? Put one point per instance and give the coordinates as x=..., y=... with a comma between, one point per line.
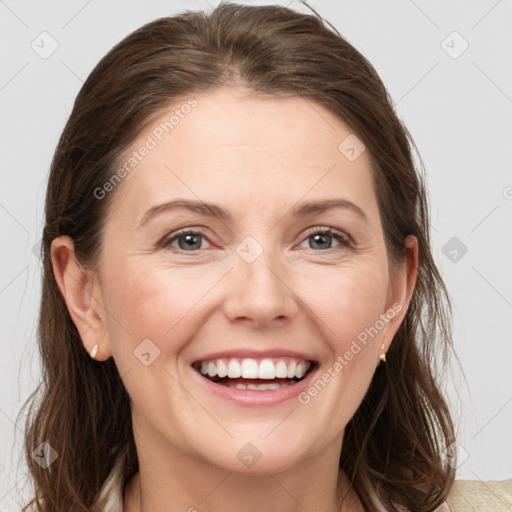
x=303, y=209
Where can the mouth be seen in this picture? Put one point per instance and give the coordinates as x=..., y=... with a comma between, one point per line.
x=261, y=374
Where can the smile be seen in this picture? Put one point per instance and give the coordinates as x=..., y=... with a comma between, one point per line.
x=254, y=374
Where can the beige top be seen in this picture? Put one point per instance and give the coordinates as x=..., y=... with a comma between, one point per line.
x=477, y=495
x=465, y=496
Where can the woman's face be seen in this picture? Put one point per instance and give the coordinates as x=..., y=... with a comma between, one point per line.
x=252, y=284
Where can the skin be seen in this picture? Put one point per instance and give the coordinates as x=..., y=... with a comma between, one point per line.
x=257, y=157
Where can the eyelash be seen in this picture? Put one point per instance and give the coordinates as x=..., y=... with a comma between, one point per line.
x=338, y=235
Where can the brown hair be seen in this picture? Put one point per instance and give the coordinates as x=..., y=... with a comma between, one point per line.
x=392, y=448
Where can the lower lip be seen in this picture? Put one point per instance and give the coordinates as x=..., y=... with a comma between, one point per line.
x=250, y=397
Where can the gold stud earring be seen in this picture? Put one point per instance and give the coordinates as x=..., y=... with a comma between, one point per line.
x=383, y=355
x=93, y=352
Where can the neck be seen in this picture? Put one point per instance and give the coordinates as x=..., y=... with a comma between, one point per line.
x=170, y=480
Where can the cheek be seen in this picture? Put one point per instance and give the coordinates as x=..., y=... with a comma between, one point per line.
x=153, y=303
x=349, y=302
x=350, y=306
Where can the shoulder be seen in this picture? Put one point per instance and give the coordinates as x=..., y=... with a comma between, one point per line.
x=481, y=496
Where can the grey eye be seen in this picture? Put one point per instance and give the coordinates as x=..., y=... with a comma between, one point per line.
x=187, y=241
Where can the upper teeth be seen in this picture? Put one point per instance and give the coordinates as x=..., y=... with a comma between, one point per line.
x=252, y=369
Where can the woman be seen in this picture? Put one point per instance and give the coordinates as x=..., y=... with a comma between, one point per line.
x=201, y=349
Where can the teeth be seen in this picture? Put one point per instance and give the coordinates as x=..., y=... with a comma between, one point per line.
x=222, y=369
x=300, y=371
x=281, y=370
x=258, y=387
x=291, y=369
x=234, y=369
x=249, y=368
x=212, y=369
x=267, y=370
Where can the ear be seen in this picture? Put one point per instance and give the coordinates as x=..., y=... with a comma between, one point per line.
x=82, y=294
x=401, y=288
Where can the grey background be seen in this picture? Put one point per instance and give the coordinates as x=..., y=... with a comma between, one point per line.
x=456, y=104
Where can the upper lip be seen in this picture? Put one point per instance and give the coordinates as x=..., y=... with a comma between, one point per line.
x=254, y=354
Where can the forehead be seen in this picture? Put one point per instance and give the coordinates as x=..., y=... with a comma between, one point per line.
x=240, y=148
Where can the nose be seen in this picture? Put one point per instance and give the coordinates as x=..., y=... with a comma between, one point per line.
x=259, y=293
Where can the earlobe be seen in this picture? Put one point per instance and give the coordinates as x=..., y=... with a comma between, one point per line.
x=77, y=287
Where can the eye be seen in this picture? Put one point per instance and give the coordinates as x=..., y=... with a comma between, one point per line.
x=188, y=240
x=321, y=238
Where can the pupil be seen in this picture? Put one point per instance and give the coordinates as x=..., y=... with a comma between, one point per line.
x=321, y=237
x=189, y=241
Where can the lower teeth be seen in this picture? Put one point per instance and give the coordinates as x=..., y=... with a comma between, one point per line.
x=259, y=387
